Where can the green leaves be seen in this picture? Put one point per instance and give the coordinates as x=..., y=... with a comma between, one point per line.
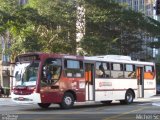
x=48, y=26
x=114, y=29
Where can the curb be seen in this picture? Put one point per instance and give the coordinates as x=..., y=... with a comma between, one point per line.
x=150, y=99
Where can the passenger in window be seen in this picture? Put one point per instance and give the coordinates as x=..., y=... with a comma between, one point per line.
x=49, y=75
x=56, y=72
x=99, y=73
x=101, y=68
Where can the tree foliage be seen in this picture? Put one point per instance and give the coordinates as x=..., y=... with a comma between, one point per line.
x=114, y=29
x=39, y=26
x=50, y=26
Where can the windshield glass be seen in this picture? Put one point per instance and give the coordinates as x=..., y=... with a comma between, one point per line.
x=25, y=74
x=51, y=71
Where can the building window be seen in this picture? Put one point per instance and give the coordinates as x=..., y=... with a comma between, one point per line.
x=136, y=5
x=130, y=3
x=22, y=2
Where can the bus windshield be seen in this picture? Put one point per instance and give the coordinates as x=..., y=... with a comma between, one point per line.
x=26, y=74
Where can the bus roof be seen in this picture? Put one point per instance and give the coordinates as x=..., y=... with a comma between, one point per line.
x=43, y=55
x=117, y=59
x=105, y=58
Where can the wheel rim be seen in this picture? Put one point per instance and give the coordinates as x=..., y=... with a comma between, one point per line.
x=68, y=100
x=129, y=97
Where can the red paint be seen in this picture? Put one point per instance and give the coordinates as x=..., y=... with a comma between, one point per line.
x=23, y=90
x=51, y=97
x=47, y=93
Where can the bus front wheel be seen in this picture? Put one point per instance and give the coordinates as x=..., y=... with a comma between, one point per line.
x=67, y=101
x=44, y=105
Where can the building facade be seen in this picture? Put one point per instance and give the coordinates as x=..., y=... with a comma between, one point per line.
x=4, y=62
x=144, y=6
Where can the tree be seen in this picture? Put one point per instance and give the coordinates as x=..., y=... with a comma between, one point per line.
x=63, y=13
x=39, y=26
x=50, y=26
x=114, y=29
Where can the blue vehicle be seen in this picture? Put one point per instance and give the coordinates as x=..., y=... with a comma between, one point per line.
x=158, y=89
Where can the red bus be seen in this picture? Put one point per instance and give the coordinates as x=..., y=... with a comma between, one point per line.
x=45, y=78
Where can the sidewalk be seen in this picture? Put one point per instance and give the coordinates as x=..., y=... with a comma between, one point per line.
x=151, y=99
x=6, y=101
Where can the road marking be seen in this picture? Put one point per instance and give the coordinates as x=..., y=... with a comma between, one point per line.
x=144, y=104
x=102, y=108
x=156, y=104
x=124, y=113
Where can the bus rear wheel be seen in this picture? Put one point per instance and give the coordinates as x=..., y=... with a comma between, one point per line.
x=44, y=105
x=67, y=101
x=129, y=96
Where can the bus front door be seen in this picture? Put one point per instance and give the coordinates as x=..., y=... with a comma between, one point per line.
x=140, y=81
x=89, y=81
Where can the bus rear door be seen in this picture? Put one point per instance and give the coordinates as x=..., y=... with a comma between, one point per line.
x=140, y=81
x=90, y=79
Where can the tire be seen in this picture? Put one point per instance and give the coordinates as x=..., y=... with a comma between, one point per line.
x=106, y=102
x=67, y=101
x=44, y=105
x=129, y=96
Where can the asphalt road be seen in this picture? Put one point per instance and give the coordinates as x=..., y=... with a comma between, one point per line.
x=139, y=110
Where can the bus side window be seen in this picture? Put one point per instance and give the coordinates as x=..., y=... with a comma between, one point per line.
x=129, y=71
x=148, y=72
x=117, y=70
x=51, y=70
x=102, y=70
x=56, y=70
x=73, y=68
